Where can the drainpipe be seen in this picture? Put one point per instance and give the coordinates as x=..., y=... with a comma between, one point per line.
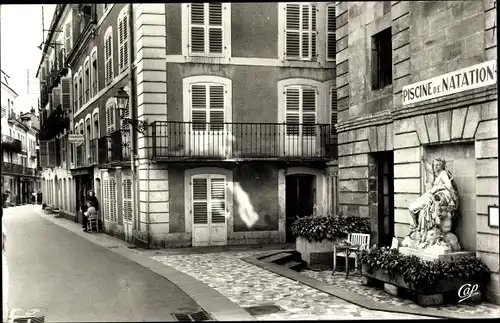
x=133, y=111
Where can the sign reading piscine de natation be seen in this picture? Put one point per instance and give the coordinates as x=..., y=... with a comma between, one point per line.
x=468, y=78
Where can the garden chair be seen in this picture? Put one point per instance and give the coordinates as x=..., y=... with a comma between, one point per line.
x=360, y=239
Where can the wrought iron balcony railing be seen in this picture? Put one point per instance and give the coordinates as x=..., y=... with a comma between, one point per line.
x=174, y=140
x=114, y=147
x=17, y=169
x=11, y=144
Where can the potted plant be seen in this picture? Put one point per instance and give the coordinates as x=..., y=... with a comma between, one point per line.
x=317, y=235
x=422, y=276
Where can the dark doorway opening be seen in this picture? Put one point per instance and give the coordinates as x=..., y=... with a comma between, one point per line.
x=385, y=185
x=300, y=196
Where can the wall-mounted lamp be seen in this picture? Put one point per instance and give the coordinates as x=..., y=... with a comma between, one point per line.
x=121, y=102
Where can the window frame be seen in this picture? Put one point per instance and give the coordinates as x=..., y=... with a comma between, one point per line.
x=378, y=53
x=86, y=80
x=75, y=93
x=94, y=75
x=283, y=40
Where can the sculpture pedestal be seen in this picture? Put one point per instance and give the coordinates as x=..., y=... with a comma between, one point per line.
x=429, y=255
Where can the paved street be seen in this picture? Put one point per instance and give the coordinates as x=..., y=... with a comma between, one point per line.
x=72, y=279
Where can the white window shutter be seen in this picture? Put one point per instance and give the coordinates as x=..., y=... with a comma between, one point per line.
x=110, y=118
x=215, y=30
x=108, y=53
x=292, y=31
x=200, y=200
x=199, y=106
x=106, y=199
x=309, y=102
x=292, y=110
x=67, y=38
x=331, y=30
x=112, y=199
x=125, y=41
x=216, y=105
x=197, y=32
x=127, y=198
x=218, y=199
x=66, y=94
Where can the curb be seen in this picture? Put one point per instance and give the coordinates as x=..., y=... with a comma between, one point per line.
x=351, y=297
x=219, y=307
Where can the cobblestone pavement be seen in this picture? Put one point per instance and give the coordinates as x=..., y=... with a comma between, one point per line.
x=353, y=285
x=248, y=285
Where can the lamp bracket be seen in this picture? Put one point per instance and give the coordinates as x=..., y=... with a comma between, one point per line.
x=139, y=125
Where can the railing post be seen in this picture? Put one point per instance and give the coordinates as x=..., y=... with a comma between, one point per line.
x=153, y=139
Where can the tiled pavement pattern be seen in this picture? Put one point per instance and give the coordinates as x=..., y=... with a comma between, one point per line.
x=353, y=285
x=248, y=285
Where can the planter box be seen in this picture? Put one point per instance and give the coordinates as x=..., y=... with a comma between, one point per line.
x=425, y=296
x=316, y=254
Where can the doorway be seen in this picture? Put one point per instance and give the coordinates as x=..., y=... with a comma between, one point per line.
x=385, y=185
x=300, y=197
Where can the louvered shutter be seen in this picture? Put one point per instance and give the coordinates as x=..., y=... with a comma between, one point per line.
x=300, y=32
x=197, y=28
x=125, y=115
x=43, y=154
x=108, y=56
x=333, y=109
x=216, y=107
x=110, y=118
x=123, y=42
x=66, y=94
x=67, y=38
x=292, y=111
x=199, y=106
x=106, y=200
x=200, y=200
x=309, y=101
x=57, y=97
x=330, y=35
x=127, y=198
x=292, y=31
x=218, y=199
x=112, y=200
x=215, y=31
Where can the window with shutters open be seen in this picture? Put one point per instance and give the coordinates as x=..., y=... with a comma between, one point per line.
x=206, y=29
x=209, y=199
x=300, y=109
x=127, y=198
x=86, y=79
x=333, y=109
x=300, y=32
x=207, y=106
x=110, y=117
x=95, y=119
x=75, y=92
x=331, y=27
x=106, y=200
x=66, y=94
x=80, y=88
x=67, y=38
x=108, y=56
x=123, y=34
x=94, y=74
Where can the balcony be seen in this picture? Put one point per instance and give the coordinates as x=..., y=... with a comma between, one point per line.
x=174, y=141
x=11, y=144
x=44, y=96
x=16, y=169
x=114, y=148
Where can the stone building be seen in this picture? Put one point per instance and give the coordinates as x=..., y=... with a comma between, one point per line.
x=389, y=123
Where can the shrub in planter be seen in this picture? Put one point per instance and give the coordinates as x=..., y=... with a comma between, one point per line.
x=422, y=275
x=317, y=235
x=319, y=228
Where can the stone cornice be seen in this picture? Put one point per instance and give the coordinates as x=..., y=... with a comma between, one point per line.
x=379, y=118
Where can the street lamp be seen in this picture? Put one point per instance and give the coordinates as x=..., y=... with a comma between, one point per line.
x=121, y=102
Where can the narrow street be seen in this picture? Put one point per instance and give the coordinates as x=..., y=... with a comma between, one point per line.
x=68, y=279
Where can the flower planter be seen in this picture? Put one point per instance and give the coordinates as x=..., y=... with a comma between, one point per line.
x=425, y=296
x=316, y=254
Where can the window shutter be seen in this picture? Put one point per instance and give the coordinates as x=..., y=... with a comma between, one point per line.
x=333, y=108
x=112, y=200
x=218, y=200
x=197, y=28
x=110, y=118
x=216, y=107
x=57, y=97
x=43, y=74
x=200, y=200
x=43, y=154
x=67, y=38
x=123, y=42
x=199, y=107
x=292, y=110
x=309, y=111
x=75, y=92
x=120, y=44
x=106, y=200
x=331, y=30
x=108, y=54
x=65, y=94
x=215, y=32
x=94, y=74
x=125, y=114
x=127, y=198
x=292, y=31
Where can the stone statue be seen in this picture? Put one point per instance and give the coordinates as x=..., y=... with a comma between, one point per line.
x=432, y=214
